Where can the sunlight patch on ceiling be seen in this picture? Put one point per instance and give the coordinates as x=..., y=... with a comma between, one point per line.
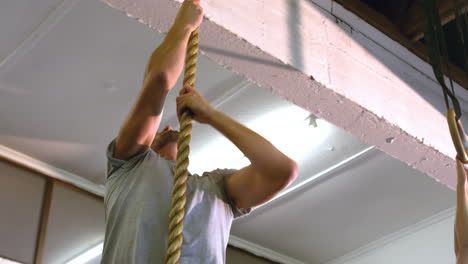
x=289, y=128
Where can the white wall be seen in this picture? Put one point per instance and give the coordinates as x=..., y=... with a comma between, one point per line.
x=75, y=223
x=237, y=256
x=429, y=242
x=21, y=194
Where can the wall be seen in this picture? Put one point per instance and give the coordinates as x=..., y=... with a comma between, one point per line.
x=75, y=220
x=72, y=220
x=236, y=256
x=21, y=194
x=415, y=244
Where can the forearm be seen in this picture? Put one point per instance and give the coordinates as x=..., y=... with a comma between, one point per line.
x=462, y=257
x=161, y=73
x=163, y=69
x=169, y=57
x=264, y=157
x=461, y=218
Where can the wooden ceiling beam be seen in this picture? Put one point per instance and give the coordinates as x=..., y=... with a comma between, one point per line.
x=386, y=26
x=411, y=24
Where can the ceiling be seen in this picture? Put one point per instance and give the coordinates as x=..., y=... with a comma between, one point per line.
x=71, y=69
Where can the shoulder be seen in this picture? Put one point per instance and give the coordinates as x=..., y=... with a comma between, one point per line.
x=214, y=179
x=115, y=164
x=214, y=182
x=218, y=174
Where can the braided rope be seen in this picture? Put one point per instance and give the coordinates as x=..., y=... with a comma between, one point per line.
x=177, y=212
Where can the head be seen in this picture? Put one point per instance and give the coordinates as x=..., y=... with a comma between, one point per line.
x=165, y=143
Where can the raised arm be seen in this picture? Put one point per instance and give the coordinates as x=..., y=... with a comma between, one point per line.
x=461, y=217
x=162, y=72
x=270, y=170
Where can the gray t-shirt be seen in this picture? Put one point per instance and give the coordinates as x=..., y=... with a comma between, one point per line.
x=137, y=203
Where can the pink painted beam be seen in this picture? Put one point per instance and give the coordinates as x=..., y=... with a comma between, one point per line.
x=364, y=82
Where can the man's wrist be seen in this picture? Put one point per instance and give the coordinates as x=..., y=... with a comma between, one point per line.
x=214, y=117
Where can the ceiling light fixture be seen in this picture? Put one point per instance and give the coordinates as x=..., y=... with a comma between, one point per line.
x=292, y=130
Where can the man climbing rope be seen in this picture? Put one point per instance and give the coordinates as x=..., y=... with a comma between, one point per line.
x=461, y=217
x=141, y=167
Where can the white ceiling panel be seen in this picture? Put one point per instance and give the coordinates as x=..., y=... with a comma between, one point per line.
x=364, y=201
x=19, y=18
x=72, y=91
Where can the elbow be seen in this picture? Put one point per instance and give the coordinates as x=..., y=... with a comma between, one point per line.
x=461, y=253
x=159, y=80
x=162, y=80
x=462, y=249
x=289, y=173
x=293, y=172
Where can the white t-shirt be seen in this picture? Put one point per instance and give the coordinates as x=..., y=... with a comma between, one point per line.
x=137, y=203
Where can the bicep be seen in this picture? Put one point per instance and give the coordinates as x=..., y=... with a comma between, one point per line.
x=248, y=188
x=135, y=136
x=138, y=131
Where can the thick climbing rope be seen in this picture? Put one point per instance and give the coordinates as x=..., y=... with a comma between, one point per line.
x=177, y=212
